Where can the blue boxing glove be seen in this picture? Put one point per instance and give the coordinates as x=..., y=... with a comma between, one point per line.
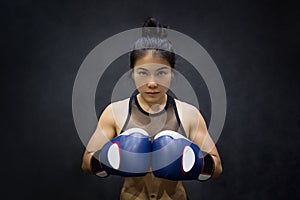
x=175, y=157
x=126, y=155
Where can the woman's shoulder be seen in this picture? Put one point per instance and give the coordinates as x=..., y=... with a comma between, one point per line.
x=188, y=114
x=119, y=107
x=122, y=102
x=119, y=111
x=185, y=107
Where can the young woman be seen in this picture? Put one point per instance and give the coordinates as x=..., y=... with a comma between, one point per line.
x=153, y=110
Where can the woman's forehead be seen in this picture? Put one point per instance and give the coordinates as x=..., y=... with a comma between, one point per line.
x=151, y=58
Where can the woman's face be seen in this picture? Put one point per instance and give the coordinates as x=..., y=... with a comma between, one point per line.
x=152, y=76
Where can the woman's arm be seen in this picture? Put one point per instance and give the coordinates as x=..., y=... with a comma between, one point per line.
x=198, y=133
x=105, y=131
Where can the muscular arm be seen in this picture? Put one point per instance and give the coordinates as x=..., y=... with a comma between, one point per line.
x=198, y=133
x=104, y=132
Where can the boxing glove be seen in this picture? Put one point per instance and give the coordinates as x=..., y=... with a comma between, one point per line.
x=175, y=157
x=126, y=155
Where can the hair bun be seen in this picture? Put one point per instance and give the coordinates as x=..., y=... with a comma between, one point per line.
x=152, y=28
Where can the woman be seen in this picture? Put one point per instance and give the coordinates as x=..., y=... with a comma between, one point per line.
x=154, y=110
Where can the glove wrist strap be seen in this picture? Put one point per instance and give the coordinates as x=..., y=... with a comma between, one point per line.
x=96, y=166
x=208, y=168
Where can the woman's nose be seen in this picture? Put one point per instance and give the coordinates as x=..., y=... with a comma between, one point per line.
x=152, y=84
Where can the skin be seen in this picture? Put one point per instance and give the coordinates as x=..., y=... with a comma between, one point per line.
x=153, y=76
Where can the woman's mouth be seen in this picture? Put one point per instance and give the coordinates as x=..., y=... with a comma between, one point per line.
x=152, y=93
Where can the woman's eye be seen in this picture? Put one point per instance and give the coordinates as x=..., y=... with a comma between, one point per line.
x=161, y=73
x=142, y=73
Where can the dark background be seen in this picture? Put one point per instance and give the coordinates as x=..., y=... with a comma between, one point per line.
x=253, y=43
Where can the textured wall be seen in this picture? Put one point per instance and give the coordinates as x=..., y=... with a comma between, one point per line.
x=252, y=42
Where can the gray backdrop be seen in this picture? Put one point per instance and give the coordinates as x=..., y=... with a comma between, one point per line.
x=253, y=43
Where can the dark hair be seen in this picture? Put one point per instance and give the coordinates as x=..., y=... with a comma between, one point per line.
x=154, y=37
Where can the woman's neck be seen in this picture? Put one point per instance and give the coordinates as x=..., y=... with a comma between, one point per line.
x=152, y=107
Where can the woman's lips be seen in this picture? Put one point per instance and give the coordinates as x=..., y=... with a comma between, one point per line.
x=152, y=93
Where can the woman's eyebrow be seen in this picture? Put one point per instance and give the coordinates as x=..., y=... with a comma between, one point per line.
x=141, y=68
x=164, y=67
